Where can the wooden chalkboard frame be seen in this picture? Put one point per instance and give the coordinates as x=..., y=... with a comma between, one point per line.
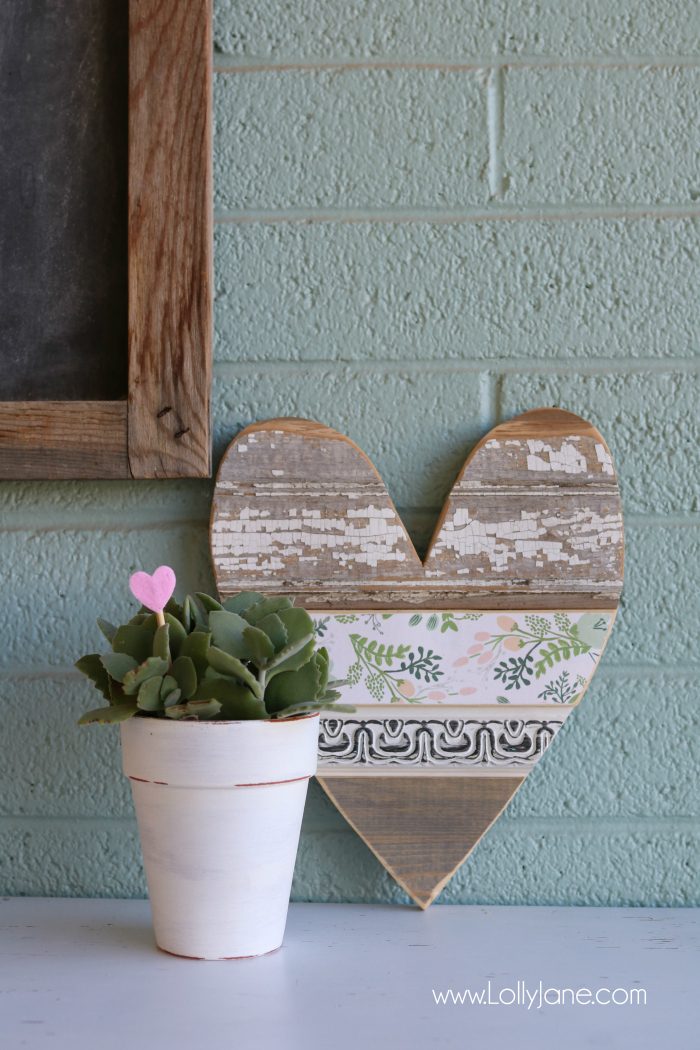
x=162, y=429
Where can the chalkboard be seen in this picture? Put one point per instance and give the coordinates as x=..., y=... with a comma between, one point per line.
x=63, y=199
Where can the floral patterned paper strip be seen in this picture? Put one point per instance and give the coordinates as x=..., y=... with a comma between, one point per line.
x=469, y=658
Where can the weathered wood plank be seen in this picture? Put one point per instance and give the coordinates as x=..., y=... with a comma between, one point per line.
x=420, y=828
x=299, y=508
x=170, y=236
x=63, y=439
x=420, y=596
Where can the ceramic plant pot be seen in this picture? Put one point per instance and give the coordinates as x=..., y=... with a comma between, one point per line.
x=219, y=808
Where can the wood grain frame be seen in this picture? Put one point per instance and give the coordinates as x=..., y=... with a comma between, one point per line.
x=162, y=429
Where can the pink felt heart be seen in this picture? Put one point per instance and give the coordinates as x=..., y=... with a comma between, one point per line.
x=153, y=591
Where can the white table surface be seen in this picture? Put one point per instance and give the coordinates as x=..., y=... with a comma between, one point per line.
x=85, y=974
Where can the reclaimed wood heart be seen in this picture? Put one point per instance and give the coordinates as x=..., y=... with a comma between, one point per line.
x=462, y=667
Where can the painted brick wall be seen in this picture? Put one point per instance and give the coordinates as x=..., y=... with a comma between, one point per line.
x=430, y=216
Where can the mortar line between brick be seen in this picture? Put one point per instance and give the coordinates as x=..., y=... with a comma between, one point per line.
x=676, y=521
x=457, y=216
x=586, y=824
x=494, y=123
x=108, y=525
x=232, y=64
x=456, y=366
x=664, y=673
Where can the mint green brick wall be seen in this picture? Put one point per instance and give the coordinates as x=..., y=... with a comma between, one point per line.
x=429, y=217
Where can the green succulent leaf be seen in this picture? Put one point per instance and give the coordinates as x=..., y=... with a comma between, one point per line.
x=330, y=696
x=227, y=630
x=118, y=665
x=204, y=709
x=238, y=603
x=292, y=657
x=151, y=667
x=116, y=692
x=275, y=630
x=93, y=668
x=149, y=698
x=174, y=609
x=208, y=603
x=226, y=664
x=196, y=647
x=189, y=615
x=237, y=701
x=194, y=709
x=293, y=687
x=263, y=608
x=108, y=629
x=305, y=709
x=161, y=644
x=259, y=646
x=177, y=711
x=134, y=640
x=106, y=715
x=323, y=662
x=185, y=674
x=169, y=686
x=298, y=624
x=177, y=634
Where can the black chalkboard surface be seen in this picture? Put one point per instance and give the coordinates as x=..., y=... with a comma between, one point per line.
x=63, y=199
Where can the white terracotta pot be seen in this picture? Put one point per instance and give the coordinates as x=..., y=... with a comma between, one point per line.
x=219, y=808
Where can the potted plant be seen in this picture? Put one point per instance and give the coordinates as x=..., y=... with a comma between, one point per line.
x=218, y=704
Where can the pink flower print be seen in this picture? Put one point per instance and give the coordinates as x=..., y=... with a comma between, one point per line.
x=482, y=636
x=506, y=623
x=462, y=661
x=474, y=649
x=437, y=694
x=512, y=644
x=407, y=689
x=484, y=658
x=468, y=690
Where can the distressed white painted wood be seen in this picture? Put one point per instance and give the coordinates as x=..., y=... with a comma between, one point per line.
x=535, y=513
x=84, y=974
x=219, y=807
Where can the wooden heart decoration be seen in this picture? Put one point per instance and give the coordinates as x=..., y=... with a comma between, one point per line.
x=462, y=668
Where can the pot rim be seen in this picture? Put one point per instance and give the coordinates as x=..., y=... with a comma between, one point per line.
x=237, y=754
x=221, y=721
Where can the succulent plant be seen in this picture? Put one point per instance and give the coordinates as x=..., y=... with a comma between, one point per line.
x=249, y=656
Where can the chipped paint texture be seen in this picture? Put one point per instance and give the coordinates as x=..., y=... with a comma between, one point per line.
x=256, y=543
x=542, y=456
x=576, y=459
x=308, y=505
x=474, y=546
